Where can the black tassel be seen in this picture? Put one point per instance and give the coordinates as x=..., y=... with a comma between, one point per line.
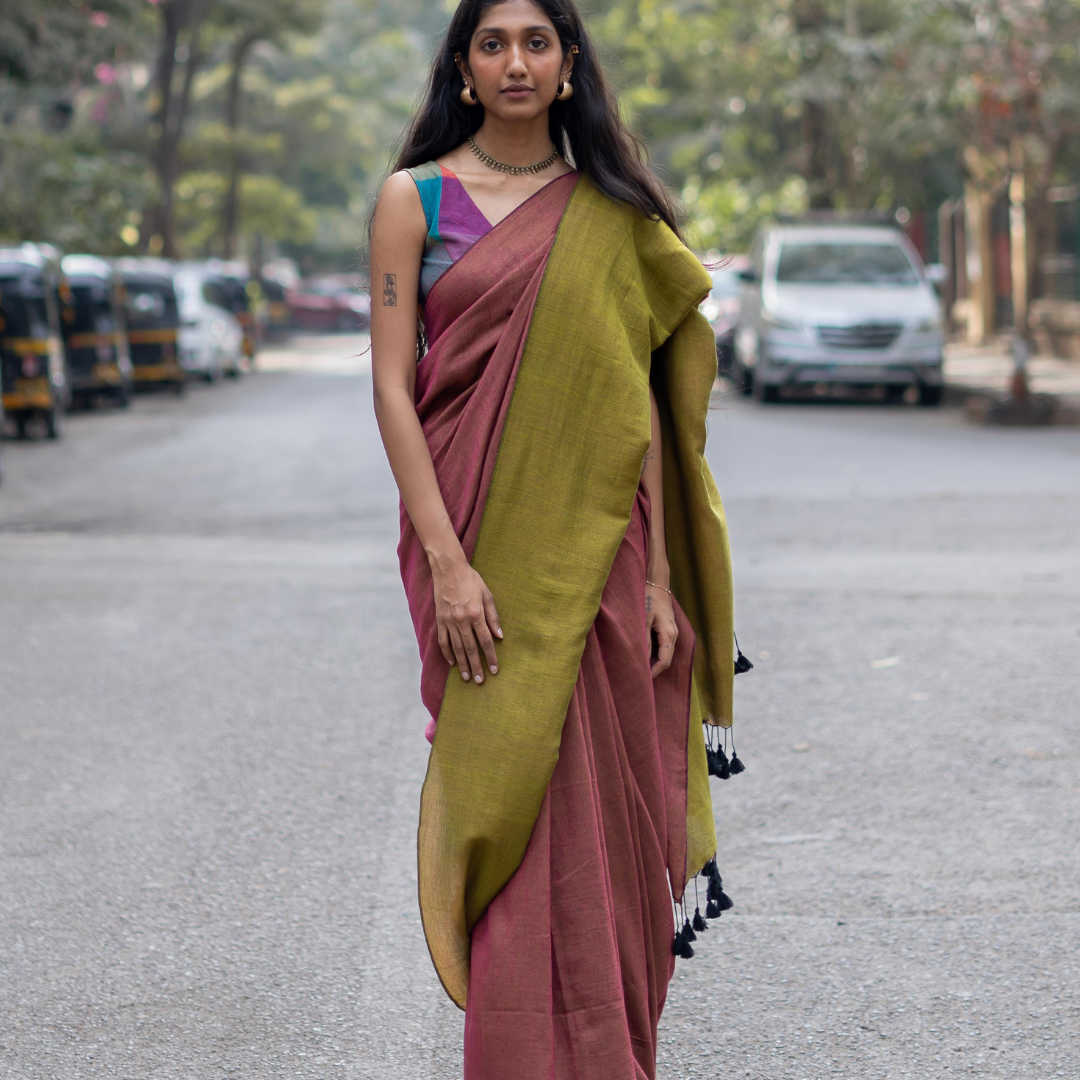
x=725, y=901
x=714, y=761
x=725, y=765
x=736, y=765
x=742, y=664
x=688, y=932
x=712, y=910
x=700, y=925
x=686, y=953
x=677, y=944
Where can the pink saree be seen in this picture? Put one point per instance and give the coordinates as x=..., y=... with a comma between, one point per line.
x=568, y=964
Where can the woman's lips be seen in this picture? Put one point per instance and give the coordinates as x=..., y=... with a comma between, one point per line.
x=517, y=91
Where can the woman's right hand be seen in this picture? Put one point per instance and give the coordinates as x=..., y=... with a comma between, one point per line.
x=467, y=620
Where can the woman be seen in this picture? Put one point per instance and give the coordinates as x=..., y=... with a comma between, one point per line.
x=555, y=503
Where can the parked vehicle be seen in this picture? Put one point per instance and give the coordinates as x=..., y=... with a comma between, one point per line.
x=211, y=338
x=335, y=302
x=242, y=295
x=721, y=308
x=277, y=321
x=92, y=322
x=152, y=318
x=34, y=380
x=838, y=306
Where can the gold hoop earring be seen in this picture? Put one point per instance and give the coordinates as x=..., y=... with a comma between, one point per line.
x=468, y=95
x=566, y=91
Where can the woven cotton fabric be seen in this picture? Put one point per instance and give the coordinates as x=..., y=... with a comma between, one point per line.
x=614, y=307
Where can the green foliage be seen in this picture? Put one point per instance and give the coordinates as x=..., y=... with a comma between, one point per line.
x=268, y=208
x=64, y=190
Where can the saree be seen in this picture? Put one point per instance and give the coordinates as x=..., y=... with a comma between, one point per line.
x=544, y=339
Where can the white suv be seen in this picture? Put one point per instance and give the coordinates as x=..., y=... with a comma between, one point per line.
x=837, y=305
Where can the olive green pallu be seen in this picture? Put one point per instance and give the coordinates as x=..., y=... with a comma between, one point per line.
x=616, y=310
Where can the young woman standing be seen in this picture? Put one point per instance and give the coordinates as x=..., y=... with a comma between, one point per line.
x=563, y=547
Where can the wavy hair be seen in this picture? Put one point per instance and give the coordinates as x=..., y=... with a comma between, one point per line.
x=587, y=128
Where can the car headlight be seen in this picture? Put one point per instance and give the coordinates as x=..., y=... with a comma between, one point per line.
x=934, y=322
x=771, y=321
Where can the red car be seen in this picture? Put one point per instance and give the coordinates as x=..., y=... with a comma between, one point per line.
x=336, y=302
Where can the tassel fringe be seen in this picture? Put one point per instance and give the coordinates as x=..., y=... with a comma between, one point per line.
x=717, y=902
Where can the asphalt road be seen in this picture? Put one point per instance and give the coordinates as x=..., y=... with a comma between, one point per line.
x=211, y=749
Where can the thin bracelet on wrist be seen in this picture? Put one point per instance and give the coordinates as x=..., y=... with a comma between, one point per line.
x=655, y=586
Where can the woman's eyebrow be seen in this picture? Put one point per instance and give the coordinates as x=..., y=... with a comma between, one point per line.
x=527, y=30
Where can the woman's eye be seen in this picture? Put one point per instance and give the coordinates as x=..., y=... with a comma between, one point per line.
x=537, y=43
x=490, y=45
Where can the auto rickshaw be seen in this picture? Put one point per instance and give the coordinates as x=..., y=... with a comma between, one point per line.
x=92, y=322
x=33, y=370
x=152, y=318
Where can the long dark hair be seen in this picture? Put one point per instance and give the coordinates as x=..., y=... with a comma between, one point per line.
x=588, y=125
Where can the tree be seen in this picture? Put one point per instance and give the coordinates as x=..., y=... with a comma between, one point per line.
x=170, y=101
x=250, y=22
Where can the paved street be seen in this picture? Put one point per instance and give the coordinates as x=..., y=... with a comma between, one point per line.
x=211, y=748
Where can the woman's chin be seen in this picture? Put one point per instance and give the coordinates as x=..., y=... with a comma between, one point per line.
x=518, y=109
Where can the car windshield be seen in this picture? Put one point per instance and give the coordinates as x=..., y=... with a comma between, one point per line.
x=725, y=283
x=22, y=309
x=150, y=305
x=845, y=264
x=91, y=308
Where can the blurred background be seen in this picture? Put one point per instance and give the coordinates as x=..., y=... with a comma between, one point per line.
x=260, y=130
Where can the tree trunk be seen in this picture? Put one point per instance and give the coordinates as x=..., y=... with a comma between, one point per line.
x=980, y=263
x=170, y=116
x=231, y=209
x=816, y=150
x=811, y=18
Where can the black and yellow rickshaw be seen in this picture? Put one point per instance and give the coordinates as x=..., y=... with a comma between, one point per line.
x=33, y=370
x=153, y=322
x=92, y=322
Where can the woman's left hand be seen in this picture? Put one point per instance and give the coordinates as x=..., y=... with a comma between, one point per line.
x=660, y=619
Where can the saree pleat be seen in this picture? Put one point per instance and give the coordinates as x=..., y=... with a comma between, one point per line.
x=570, y=962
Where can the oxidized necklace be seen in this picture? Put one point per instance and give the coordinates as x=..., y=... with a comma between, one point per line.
x=513, y=170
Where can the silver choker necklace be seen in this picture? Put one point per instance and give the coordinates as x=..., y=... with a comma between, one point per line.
x=513, y=170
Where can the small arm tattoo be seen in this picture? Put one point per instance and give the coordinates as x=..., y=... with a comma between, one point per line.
x=648, y=602
x=389, y=290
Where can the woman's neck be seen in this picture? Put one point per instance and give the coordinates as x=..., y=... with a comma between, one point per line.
x=516, y=142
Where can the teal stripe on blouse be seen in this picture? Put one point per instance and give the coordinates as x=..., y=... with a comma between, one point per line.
x=428, y=179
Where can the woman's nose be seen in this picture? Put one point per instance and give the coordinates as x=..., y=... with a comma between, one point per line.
x=515, y=61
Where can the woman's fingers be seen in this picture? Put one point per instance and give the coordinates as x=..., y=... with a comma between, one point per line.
x=667, y=634
x=491, y=615
x=487, y=644
x=444, y=644
x=472, y=650
x=459, y=652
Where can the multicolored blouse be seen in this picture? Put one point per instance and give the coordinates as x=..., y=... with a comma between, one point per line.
x=454, y=221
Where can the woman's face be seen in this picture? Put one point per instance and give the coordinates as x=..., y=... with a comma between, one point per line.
x=515, y=62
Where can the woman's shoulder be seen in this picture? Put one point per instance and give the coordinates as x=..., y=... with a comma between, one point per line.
x=399, y=206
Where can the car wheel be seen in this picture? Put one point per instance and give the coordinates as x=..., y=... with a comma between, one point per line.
x=764, y=392
x=180, y=387
x=122, y=396
x=929, y=396
x=21, y=421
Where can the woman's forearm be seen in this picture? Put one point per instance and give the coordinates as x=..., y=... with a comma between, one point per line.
x=410, y=460
x=657, y=571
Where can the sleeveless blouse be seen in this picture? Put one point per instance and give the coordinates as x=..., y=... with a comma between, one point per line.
x=454, y=222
